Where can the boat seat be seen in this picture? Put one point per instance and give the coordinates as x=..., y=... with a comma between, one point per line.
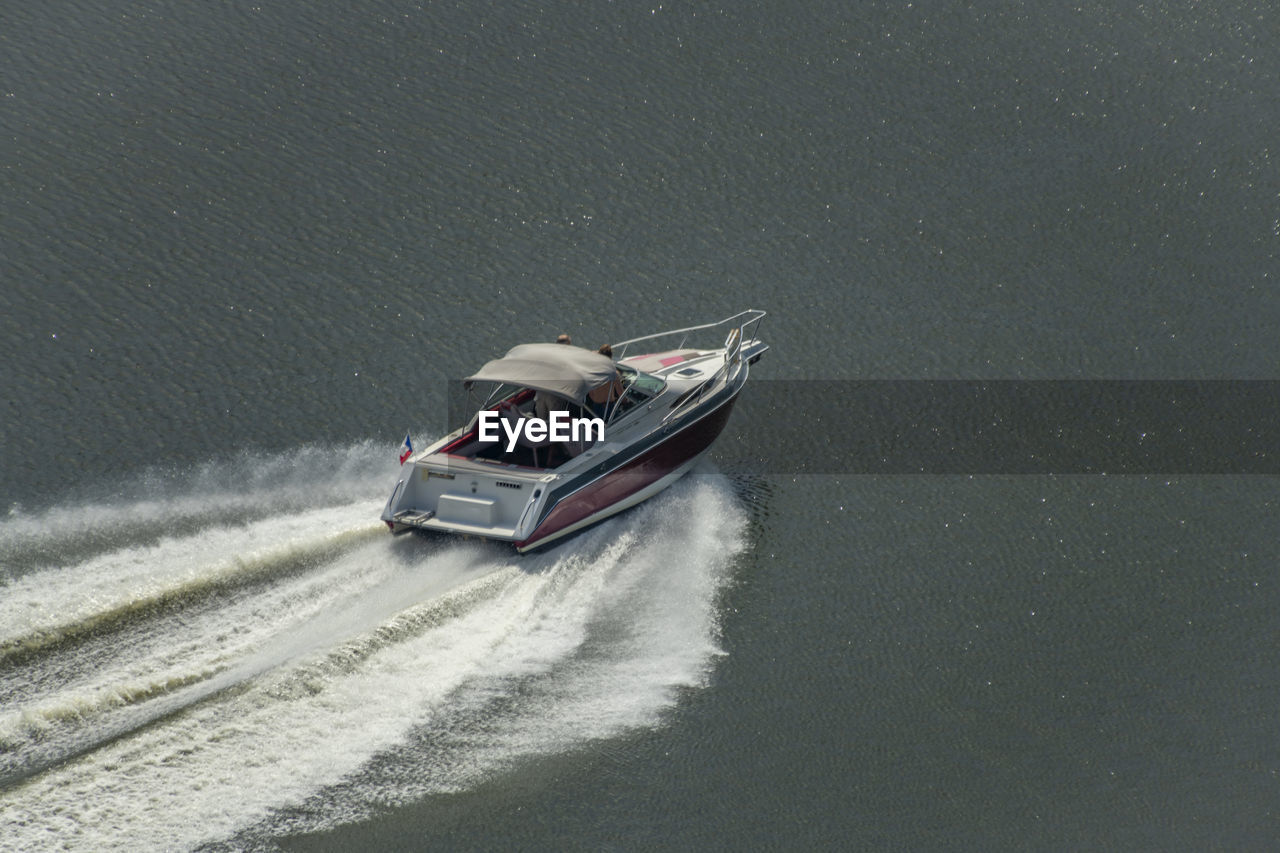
x=544, y=404
x=508, y=412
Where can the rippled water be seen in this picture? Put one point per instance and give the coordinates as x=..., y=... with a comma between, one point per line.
x=245, y=248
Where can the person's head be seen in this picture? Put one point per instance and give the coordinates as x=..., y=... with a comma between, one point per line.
x=606, y=350
x=564, y=339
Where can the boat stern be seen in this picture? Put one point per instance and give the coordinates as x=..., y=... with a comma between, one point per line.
x=466, y=498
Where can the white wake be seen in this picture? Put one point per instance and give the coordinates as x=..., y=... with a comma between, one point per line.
x=281, y=666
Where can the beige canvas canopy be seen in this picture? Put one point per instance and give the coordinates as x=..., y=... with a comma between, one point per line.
x=560, y=369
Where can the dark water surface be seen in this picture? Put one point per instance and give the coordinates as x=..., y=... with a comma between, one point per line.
x=244, y=247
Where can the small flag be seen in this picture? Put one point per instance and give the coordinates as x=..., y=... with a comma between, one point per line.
x=406, y=449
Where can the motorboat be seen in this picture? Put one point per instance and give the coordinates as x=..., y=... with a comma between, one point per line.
x=521, y=471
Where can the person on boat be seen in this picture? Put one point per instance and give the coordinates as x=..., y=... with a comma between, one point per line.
x=564, y=339
x=600, y=398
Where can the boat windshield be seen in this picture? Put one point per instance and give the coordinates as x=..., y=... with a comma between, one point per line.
x=639, y=387
x=646, y=384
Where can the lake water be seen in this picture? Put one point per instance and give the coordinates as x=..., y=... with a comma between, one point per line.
x=986, y=558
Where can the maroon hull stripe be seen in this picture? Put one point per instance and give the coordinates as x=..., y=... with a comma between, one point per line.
x=648, y=467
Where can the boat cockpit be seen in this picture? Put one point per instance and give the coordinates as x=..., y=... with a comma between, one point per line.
x=627, y=393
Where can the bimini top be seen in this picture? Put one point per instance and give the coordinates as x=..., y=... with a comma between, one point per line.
x=560, y=369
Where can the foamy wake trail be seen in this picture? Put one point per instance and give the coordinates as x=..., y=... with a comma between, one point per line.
x=43, y=606
x=165, y=502
x=332, y=670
